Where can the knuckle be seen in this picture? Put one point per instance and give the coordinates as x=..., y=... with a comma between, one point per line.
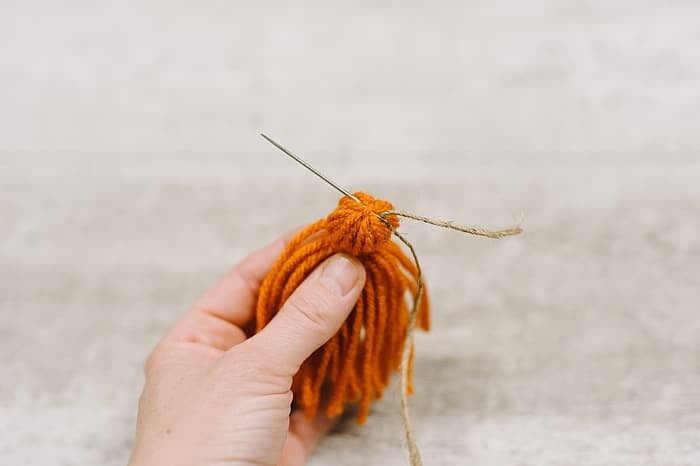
x=152, y=359
x=261, y=358
x=244, y=365
x=159, y=358
x=248, y=369
x=310, y=310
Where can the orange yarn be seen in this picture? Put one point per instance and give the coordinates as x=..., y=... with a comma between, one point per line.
x=356, y=363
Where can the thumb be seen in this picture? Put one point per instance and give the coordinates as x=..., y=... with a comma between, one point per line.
x=311, y=315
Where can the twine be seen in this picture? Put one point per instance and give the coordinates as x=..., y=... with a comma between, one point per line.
x=411, y=445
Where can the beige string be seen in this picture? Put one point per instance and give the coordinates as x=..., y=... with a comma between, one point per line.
x=413, y=451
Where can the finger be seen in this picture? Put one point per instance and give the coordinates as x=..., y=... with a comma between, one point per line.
x=311, y=315
x=217, y=317
x=233, y=297
x=304, y=435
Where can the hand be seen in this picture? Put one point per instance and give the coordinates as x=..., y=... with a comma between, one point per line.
x=215, y=397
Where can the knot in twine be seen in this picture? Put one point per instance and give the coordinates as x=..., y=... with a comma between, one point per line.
x=359, y=228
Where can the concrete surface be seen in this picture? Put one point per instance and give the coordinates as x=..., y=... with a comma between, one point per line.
x=132, y=176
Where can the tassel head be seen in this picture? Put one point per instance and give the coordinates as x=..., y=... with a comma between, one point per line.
x=358, y=228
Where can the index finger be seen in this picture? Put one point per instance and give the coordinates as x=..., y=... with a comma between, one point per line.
x=233, y=298
x=219, y=316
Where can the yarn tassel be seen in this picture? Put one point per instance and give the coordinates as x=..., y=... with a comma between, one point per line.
x=355, y=365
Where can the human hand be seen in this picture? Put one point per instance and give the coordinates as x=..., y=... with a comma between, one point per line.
x=215, y=397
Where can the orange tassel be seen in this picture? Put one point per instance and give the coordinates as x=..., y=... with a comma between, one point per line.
x=355, y=365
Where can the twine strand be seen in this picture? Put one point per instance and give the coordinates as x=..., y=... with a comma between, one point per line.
x=412, y=447
x=413, y=451
x=495, y=234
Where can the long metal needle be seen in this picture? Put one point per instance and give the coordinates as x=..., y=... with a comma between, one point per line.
x=310, y=168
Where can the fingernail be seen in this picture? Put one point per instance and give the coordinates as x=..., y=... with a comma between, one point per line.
x=339, y=274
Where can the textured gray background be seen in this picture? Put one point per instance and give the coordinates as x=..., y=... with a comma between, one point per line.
x=132, y=176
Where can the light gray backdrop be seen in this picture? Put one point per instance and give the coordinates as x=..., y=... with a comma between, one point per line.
x=132, y=176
